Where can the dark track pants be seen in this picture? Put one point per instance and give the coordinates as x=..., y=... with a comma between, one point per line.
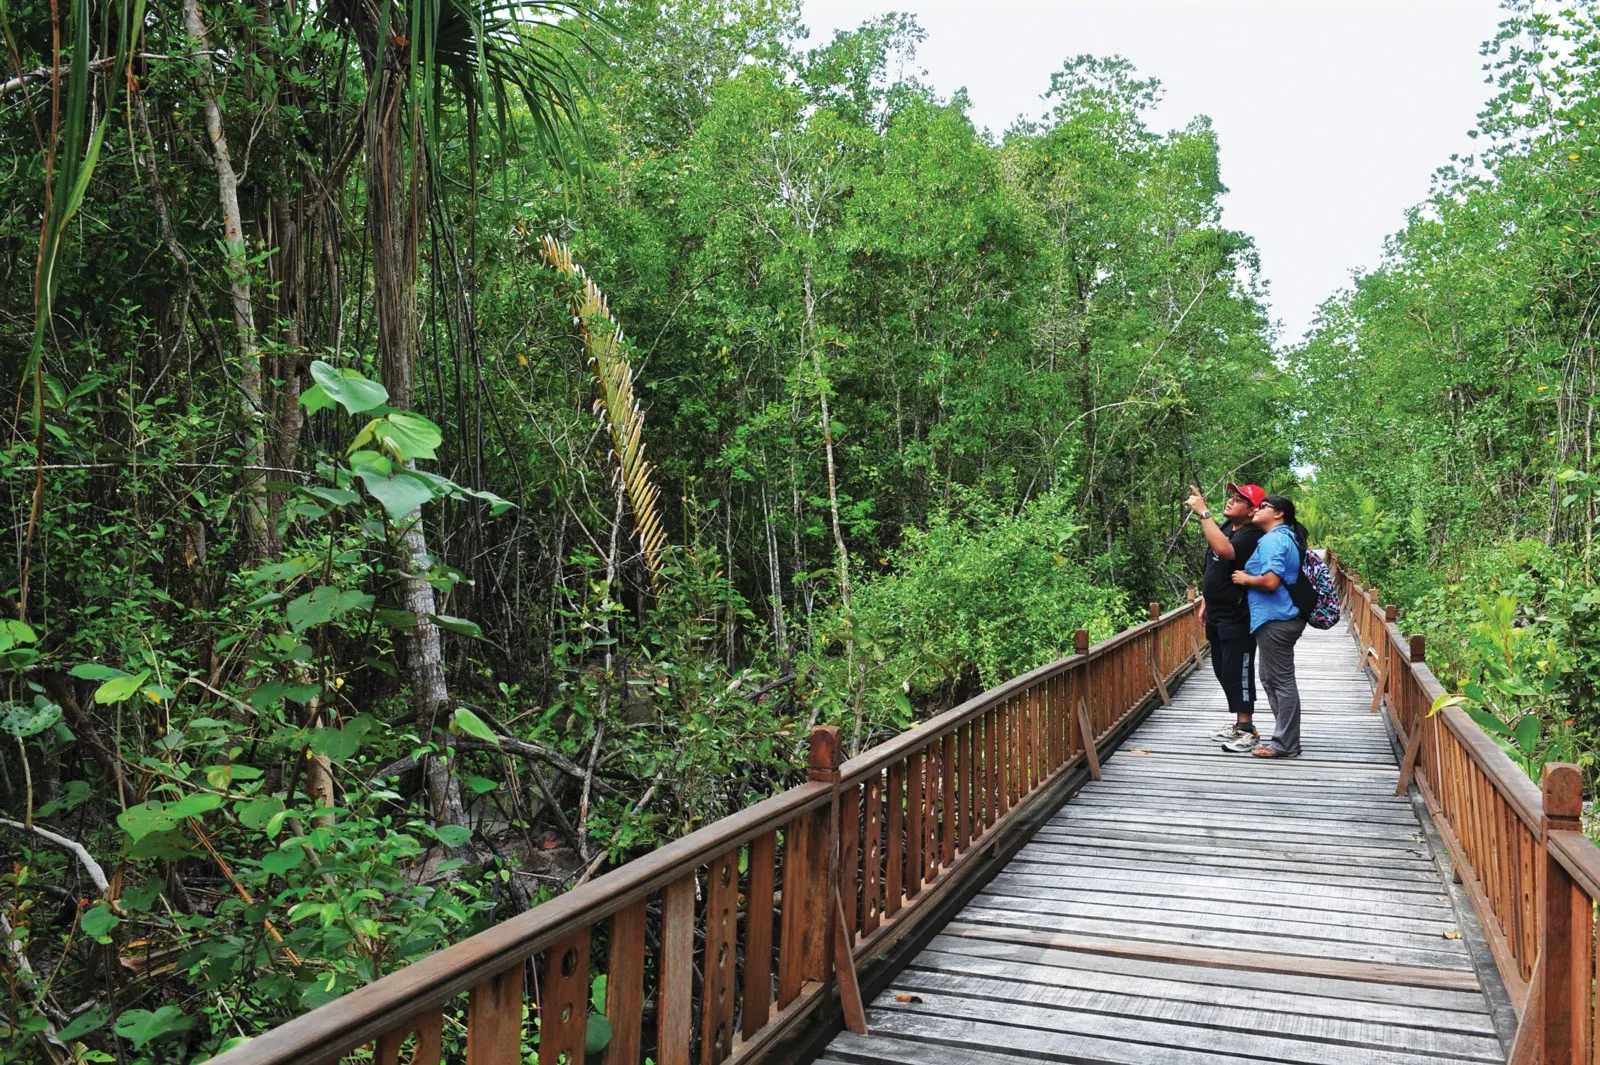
x=1233, y=660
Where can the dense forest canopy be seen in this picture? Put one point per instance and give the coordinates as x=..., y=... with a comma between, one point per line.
x=1451, y=401
x=381, y=568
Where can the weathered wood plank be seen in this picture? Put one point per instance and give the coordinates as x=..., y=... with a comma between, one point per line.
x=1192, y=907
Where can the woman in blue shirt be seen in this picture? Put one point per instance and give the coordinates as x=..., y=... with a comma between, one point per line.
x=1275, y=621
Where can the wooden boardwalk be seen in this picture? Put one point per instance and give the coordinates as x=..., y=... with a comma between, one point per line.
x=1203, y=908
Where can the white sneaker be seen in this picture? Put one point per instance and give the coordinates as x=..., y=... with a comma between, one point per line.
x=1226, y=733
x=1243, y=742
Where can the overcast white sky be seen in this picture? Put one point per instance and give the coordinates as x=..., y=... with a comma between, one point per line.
x=1332, y=114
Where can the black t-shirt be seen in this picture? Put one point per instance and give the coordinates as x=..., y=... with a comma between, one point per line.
x=1225, y=601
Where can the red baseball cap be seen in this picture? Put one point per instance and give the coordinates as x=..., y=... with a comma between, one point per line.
x=1253, y=492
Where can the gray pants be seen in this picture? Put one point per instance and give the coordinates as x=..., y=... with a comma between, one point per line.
x=1275, y=653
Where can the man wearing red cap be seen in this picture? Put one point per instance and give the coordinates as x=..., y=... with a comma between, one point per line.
x=1226, y=612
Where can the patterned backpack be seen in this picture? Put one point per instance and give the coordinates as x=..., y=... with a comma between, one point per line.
x=1325, y=610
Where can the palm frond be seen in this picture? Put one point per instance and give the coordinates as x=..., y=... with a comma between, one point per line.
x=607, y=348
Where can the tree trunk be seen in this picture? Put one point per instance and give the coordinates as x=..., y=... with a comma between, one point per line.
x=238, y=285
x=395, y=198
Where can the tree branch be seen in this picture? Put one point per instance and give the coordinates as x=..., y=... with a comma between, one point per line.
x=92, y=867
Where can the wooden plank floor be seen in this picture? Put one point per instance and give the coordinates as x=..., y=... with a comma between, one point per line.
x=1203, y=908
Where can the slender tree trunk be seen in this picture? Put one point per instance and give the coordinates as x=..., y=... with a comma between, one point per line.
x=238, y=284
x=395, y=197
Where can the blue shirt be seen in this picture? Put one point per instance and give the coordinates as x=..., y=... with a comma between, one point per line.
x=1278, y=552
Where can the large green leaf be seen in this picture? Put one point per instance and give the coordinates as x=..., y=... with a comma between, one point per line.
x=411, y=436
x=597, y=1034
x=151, y=816
x=142, y=1027
x=338, y=744
x=98, y=921
x=119, y=688
x=473, y=725
x=1490, y=723
x=95, y=671
x=1527, y=734
x=90, y=1020
x=459, y=626
x=324, y=603
x=25, y=721
x=348, y=388
x=400, y=495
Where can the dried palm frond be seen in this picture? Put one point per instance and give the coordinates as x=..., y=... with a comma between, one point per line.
x=607, y=349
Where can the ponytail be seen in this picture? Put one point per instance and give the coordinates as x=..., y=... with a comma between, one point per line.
x=1301, y=538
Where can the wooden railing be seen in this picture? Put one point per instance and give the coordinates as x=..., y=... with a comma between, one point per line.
x=1531, y=874
x=722, y=944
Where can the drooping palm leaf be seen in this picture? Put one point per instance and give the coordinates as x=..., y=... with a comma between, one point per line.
x=607, y=348
x=487, y=51
x=70, y=160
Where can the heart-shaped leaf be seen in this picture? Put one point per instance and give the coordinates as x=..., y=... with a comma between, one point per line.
x=347, y=388
x=25, y=721
x=98, y=921
x=399, y=495
x=411, y=436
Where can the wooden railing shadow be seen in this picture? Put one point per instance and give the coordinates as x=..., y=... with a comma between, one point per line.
x=726, y=943
x=1531, y=874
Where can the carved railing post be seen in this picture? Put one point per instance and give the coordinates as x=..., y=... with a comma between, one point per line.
x=831, y=956
x=1563, y=987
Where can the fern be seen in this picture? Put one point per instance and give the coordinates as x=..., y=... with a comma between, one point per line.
x=606, y=346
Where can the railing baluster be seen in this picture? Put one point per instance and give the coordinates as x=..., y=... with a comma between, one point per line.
x=894, y=885
x=429, y=1031
x=849, y=856
x=916, y=834
x=625, y=983
x=675, y=990
x=958, y=815
x=720, y=962
x=872, y=859
x=494, y=1019
x=564, y=1000
x=947, y=785
x=762, y=865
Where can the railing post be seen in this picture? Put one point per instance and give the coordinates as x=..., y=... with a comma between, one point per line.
x=831, y=957
x=1155, y=611
x=821, y=892
x=1418, y=724
x=1564, y=985
x=1091, y=754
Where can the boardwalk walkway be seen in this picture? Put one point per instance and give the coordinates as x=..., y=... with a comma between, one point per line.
x=1202, y=908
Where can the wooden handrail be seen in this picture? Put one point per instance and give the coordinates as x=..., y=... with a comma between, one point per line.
x=1532, y=875
x=758, y=921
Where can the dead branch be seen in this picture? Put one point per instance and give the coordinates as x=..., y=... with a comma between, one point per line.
x=90, y=866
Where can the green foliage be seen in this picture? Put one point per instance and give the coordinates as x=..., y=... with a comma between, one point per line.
x=337, y=667
x=1453, y=433
x=976, y=599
